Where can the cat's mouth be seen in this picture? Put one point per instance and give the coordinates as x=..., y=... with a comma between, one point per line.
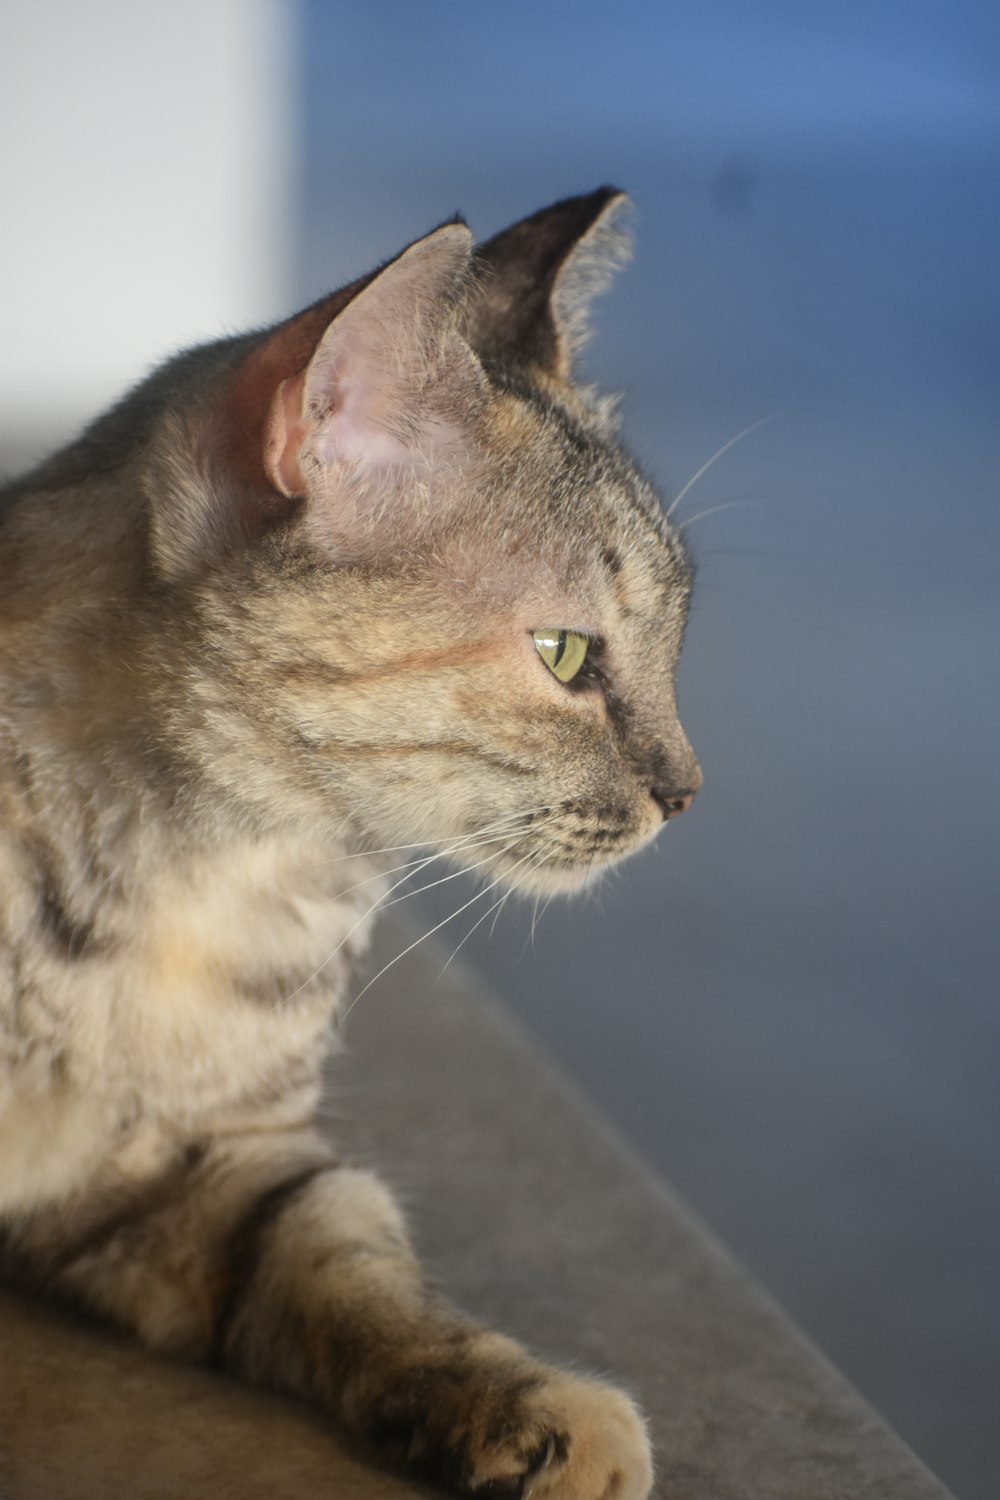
x=564, y=853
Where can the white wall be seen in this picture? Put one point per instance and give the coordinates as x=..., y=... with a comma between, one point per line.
x=146, y=186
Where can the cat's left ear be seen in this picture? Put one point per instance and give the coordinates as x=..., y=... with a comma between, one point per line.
x=531, y=309
x=384, y=377
x=345, y=410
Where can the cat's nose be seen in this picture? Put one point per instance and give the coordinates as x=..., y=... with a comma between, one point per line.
x=671, y=803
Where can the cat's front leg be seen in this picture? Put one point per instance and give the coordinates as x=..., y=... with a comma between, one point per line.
x=297, y=1273
x=327, y=1298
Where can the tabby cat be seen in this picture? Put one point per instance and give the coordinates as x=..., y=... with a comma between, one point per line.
x=379, y=576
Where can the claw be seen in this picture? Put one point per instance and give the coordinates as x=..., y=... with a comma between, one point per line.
x=553, y=1447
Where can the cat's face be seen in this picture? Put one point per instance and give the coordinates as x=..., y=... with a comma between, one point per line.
x=466, y=635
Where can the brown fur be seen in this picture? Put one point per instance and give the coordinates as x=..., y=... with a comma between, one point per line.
x=268, y=617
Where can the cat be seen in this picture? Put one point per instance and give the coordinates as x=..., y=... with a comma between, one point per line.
x=379, y=577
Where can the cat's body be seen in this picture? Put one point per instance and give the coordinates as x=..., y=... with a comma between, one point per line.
x=277, y=615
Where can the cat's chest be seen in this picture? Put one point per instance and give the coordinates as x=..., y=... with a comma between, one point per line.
x=238, y=964
x=210, y=995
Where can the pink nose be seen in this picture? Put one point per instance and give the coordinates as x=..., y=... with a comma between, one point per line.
x=672, y=803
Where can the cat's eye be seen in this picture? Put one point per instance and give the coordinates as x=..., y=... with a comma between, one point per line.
x=563, y=651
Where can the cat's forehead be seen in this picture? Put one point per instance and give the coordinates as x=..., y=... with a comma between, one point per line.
x=645, y=562
x=577, y=501
x=643, y=580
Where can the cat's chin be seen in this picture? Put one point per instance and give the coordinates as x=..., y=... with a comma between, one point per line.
x=561, y=880
x=563, y=877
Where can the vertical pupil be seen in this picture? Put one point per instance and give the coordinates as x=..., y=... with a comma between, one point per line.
x=560, y=648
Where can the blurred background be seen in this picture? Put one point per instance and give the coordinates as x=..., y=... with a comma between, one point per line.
x=790, y=1004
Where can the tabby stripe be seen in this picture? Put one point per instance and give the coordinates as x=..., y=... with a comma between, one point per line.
x=70, y=937
x=148, y=1199
x=245, y=1244
x=319, y=672
x=427, y=747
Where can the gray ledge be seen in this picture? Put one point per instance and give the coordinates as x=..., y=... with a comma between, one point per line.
x=533, y=1216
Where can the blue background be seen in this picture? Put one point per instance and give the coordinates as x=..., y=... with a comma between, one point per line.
x=791, y=1003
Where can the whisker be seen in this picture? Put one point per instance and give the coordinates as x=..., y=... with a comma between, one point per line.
x=534, y=925
x=539, y=855
x=754, y=426
x=536, y=918
x=712, y=510
x=430, y=933
x=422, y=890
x=328, y=861
x=411, y=864
x=478, y=923
x=416, y=866
x=379, y=901
x=458, y=846
x=499, y=906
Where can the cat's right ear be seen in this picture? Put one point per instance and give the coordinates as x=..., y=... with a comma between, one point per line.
x=539, y=278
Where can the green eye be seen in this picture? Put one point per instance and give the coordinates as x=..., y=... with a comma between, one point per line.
x=563, y=651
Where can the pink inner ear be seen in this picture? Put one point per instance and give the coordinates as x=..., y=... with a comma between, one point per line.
x=361, y=403
x=355, y=397
x=354, y=428
x=286, y=433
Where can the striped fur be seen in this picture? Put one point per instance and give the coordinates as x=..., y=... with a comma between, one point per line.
x=264, y=623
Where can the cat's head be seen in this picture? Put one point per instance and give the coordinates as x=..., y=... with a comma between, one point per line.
x=442, y=604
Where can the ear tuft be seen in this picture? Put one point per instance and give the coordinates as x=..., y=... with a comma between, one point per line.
x=603, y=250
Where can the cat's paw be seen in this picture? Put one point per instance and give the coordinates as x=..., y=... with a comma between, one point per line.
x=496, y=1430
x=575, y=1440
